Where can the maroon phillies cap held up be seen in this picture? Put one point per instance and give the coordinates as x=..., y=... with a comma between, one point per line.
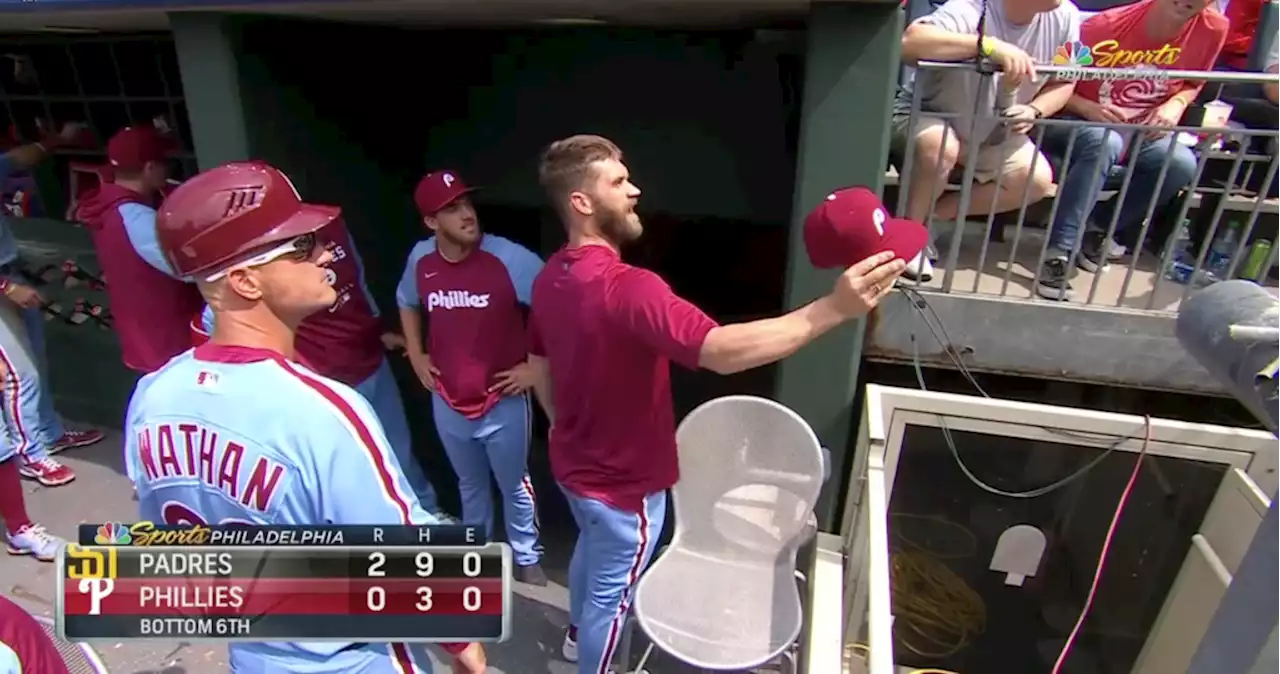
x=851, y=225
x=133, y=147
x=437, y=190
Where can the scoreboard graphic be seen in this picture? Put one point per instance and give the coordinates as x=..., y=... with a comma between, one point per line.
x=394, y=591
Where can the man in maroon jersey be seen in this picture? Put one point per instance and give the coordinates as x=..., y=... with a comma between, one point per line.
x=471, y=287
x=609, y=332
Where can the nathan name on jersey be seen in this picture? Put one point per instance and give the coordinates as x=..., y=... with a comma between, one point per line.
x=189, y=450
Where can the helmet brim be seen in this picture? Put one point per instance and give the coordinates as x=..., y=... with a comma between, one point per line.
x=308, y=219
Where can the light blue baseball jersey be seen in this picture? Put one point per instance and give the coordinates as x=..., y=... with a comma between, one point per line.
x=226, y=434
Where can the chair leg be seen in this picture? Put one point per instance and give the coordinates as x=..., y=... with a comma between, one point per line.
x=790, y=665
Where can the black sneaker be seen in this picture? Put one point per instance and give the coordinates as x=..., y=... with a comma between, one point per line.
x=531, y=575
x=1055, y=275
x=1094, y=252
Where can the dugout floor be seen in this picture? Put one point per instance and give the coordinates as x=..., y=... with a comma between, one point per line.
x=101, y=492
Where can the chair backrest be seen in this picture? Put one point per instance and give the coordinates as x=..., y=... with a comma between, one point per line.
x=750, y=472
x=723, y=594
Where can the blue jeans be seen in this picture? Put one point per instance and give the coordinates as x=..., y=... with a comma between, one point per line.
x=1095, y=152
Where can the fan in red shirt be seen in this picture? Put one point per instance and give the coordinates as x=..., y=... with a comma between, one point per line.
x=1151, y=35
x=609, y=332
x=1243, y=16
x=1154, y=34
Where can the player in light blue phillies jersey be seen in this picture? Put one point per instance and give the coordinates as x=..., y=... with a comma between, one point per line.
x=32, y=428
x=346, y=342
x=471, y=287
x=235, y=431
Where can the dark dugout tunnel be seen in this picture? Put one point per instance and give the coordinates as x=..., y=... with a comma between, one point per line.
x=707, y=121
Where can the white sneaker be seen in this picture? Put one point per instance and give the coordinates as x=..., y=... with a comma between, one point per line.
x=35, y=541
x=569, y=649
x=919, y=268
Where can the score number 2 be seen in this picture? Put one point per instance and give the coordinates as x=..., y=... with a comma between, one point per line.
x=425, y=563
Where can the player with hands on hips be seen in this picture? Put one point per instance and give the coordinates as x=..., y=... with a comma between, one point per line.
x=235, y=431
x=470, y=288
x=609, y=332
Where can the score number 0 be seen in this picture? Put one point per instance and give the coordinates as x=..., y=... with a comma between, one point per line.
x=376, y=597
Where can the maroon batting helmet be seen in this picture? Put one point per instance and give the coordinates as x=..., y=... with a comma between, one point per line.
x=226, y=213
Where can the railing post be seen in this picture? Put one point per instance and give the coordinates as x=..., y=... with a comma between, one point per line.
x=851, y=69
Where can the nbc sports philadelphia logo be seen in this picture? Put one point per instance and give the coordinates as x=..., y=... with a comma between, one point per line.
x=1076, y=60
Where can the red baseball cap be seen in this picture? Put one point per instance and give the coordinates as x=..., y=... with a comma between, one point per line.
x=437, y=190
x=851, y=225
x=133, y=147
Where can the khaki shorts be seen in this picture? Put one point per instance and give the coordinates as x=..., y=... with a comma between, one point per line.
x=1014, y=155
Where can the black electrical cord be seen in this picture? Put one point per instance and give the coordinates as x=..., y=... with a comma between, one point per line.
x=921, y=305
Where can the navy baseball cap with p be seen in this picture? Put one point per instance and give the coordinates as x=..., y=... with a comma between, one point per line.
x=851, y=225
x=437, y=190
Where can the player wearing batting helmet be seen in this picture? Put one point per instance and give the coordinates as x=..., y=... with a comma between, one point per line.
x=235, y=431
x=609, y=332
x=472, y=286
x=346, y=342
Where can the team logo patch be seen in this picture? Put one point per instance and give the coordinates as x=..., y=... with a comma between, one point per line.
x=878, y=218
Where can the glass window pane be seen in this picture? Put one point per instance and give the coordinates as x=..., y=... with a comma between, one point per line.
x=953, y=612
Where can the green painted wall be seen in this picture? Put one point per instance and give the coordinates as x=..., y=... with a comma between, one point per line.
x=850, y=77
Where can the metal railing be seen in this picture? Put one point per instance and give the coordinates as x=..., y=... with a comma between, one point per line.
x=1158, y=274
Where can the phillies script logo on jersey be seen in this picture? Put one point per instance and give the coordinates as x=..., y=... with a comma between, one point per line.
x=456, y=299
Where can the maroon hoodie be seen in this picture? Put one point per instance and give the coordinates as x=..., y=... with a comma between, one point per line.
x=151, y=310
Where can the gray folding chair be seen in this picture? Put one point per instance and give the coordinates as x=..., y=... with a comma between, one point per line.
x=723, y=595
x=79, y=658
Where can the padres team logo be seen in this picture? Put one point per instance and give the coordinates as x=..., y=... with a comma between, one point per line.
x=91, y=563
